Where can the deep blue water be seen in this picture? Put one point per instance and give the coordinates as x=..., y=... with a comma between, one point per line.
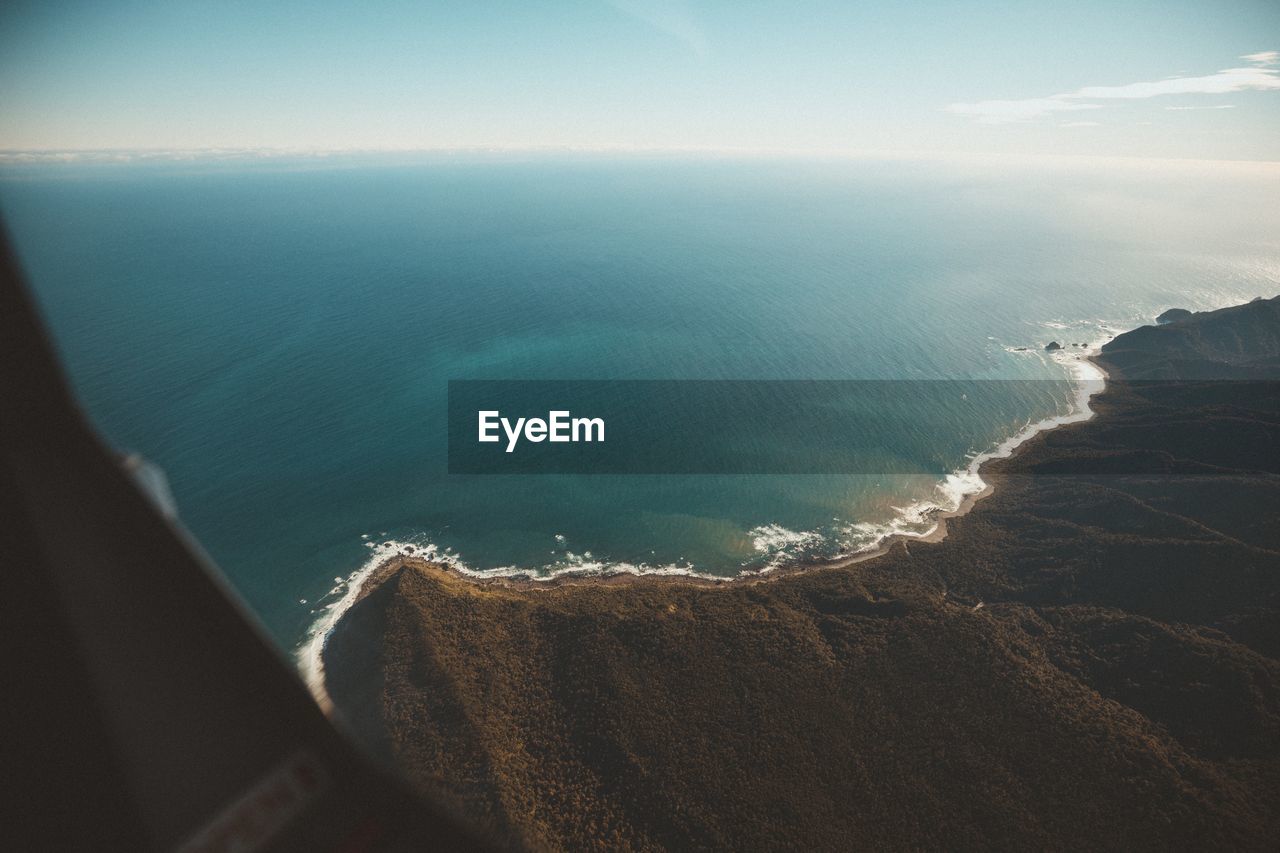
x=278, y=337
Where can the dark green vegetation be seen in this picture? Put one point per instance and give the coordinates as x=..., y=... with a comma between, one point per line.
x=1090, y=659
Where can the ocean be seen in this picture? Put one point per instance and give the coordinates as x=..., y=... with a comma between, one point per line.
x=277, y=335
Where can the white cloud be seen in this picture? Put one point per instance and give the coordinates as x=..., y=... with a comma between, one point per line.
x=1224, y=82
x=1266, y=57
x=1213, y=107
x=1258, y=76
x=1080, y=124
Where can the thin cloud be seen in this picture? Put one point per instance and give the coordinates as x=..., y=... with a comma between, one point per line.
x=669, y=16
x=1212, y=107
x=1008, y=112
x=1259, y=75
x=1224, y=82
x=1080, y=124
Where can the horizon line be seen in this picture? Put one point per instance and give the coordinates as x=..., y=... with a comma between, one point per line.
x=105, y=155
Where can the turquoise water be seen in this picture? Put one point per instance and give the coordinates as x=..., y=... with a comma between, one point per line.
x=277, y=337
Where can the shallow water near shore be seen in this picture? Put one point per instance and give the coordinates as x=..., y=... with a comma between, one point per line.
x=278, y=339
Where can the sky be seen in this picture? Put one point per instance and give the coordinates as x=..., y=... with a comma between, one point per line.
x=1177, y=79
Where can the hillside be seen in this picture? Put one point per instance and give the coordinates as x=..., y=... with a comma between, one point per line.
x=1090, y=658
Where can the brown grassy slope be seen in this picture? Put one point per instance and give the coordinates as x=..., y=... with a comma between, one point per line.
x=1119, y=687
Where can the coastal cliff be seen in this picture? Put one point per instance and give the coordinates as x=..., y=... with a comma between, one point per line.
x=1089, y=658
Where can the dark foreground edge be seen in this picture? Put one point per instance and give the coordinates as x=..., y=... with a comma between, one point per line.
x=144, y=709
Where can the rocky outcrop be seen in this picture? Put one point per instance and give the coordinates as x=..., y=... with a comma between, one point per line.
x=1241, y=342
x=1172, y=316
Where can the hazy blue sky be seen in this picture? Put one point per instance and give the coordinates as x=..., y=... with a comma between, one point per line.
x=1088, y=76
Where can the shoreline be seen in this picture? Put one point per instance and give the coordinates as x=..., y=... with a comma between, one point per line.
x=1088, y=376
x=1110, y=612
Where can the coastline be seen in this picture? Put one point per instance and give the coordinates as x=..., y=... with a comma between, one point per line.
x=968, y=485
x=1110, y=612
